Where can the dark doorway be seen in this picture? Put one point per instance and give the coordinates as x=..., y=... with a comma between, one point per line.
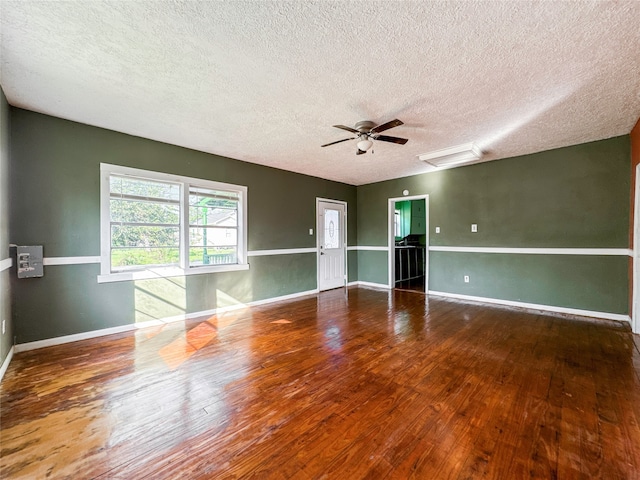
x=410, y=245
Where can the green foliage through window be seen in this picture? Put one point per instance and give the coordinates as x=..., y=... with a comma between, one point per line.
x=145, y=224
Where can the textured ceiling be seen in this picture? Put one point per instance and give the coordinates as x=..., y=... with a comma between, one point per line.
x=264, y=81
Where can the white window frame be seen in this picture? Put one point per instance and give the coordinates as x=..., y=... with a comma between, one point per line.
x=106, y=275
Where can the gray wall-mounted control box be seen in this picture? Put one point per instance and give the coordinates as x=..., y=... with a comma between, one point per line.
x=29, y=260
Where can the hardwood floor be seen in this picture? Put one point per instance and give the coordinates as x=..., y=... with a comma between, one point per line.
x=368, y=384
x=415, y=284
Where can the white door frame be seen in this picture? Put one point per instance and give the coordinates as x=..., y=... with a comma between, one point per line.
x=635, y=313
x=392, y=239
x=344, y=242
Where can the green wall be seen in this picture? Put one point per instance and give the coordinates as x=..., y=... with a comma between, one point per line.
x=573, y=197
x=55, y=186
x=5, y=285
x=373, y=266
x=588, y=282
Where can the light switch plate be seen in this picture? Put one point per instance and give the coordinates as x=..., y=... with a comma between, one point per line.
x=437, y=229
x=474, y=227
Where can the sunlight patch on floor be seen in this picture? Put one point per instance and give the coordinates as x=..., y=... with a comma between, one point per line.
x=182, y=348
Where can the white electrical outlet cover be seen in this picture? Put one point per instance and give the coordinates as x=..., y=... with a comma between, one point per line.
x=474, y=227
x=437, y=229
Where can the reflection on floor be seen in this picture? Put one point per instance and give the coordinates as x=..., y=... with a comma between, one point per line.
x=415, y=284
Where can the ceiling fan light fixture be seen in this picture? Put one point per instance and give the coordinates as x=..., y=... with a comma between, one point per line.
x=364, y=145
x=458, y=155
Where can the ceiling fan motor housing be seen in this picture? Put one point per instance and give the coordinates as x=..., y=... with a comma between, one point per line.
x=365, y=126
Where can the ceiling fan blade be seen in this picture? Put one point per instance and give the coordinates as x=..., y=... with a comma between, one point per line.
x=386, y=126
x=339, y=141
x=348, y=129
x=386, y=138
x=360, y=152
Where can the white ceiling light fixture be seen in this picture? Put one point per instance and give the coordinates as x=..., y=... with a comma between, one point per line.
x=458, y=155
x=364, y=145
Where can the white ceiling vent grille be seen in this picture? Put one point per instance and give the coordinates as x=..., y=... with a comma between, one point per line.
x=466, y=153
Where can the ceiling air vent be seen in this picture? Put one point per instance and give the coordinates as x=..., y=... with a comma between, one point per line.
x=466, y=153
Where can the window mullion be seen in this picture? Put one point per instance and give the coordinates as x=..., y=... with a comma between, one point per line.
x=184, y=226
x=242, y=223
x=105, y=224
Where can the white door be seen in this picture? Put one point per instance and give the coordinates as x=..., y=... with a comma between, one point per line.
x=331, y=245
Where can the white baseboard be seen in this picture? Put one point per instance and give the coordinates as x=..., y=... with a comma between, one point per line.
x=6, y=363
x=368, y=284
x=283, y=297
x=535, y=306
x=49, y=342
x=23, y=347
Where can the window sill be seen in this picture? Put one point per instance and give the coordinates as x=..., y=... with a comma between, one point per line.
x=168, y=272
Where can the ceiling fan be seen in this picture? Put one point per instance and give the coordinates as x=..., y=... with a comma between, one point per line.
x=367, y=131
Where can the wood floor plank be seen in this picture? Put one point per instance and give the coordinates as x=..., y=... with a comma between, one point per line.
x=362, y=384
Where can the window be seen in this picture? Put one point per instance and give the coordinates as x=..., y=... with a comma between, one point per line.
x=213, y=227
x=144, y=223
x=397, y=224
x=156, y=224
x=331, y=228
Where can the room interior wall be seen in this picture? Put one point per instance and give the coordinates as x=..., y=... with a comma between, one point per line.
x=5, y=285
x=569, y=198
x=55, y=186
